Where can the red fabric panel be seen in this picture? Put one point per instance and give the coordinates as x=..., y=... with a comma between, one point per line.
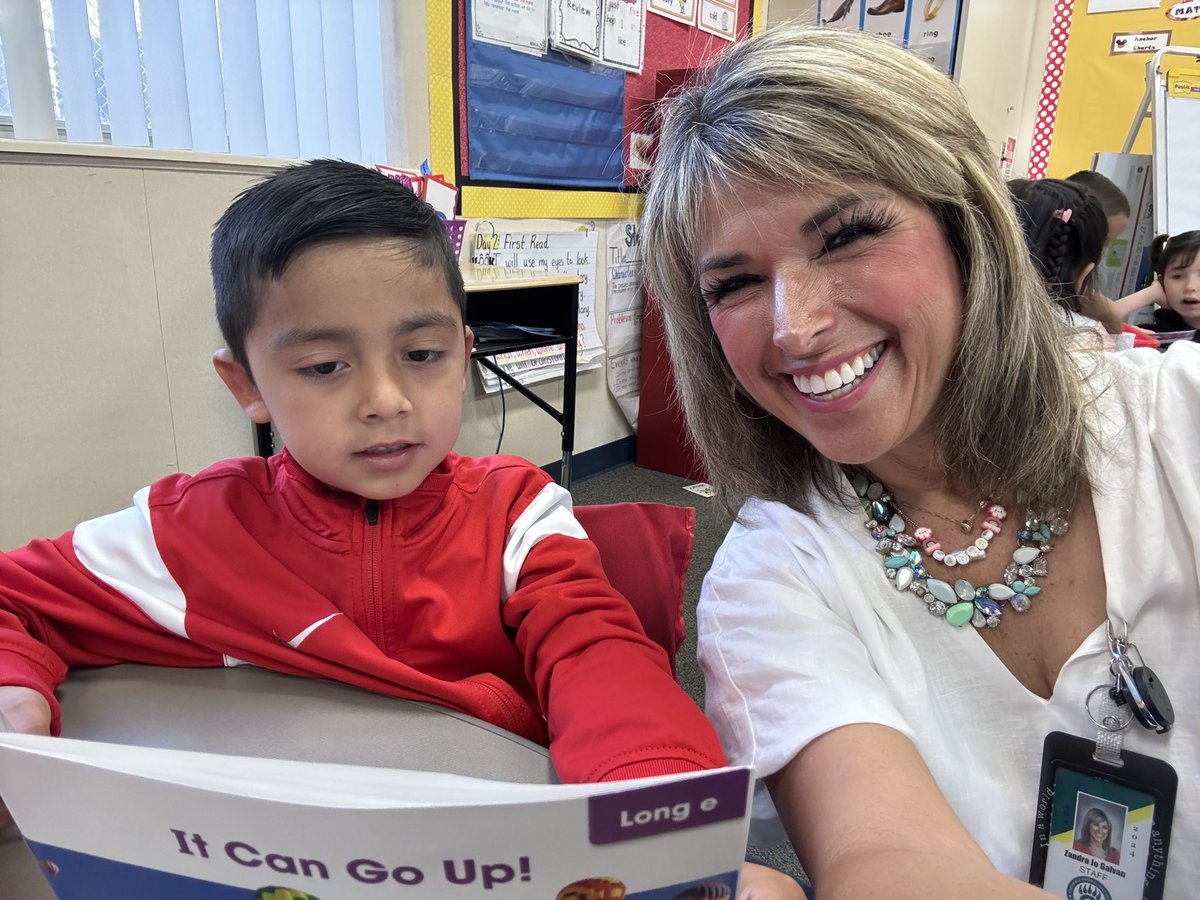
x=645, y=549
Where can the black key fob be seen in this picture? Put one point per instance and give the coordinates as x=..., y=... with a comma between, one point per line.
x=1147, y=698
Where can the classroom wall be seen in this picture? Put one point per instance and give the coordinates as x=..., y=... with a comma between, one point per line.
x=998, y=54
x=106, y=331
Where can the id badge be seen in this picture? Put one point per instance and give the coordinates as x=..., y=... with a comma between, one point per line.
x=1102, y=831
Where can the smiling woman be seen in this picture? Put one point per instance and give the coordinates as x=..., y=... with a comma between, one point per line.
x=858, y=333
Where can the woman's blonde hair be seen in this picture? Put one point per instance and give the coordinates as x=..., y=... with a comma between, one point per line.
x=808, y=109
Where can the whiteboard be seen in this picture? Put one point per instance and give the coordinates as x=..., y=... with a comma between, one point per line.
x=1176, y=117
x=1180, y=151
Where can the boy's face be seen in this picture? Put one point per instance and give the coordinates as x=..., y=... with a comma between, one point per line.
x=359, y=358
x=1116, y=226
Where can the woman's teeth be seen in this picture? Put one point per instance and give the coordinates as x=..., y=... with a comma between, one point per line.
x=840, y=381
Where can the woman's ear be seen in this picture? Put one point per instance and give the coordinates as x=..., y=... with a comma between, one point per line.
x=1081, y=278
x=241, y=385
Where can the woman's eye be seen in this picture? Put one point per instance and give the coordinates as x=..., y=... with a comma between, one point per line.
x=859, y=224
x=321, y=370
x=852, y=232
x=713, y=293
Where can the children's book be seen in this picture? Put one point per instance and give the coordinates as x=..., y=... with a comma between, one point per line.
x=108, y=821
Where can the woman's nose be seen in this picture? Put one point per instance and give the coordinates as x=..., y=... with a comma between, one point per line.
x=803, y=312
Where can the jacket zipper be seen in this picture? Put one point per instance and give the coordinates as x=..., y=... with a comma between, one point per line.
x=375, y=616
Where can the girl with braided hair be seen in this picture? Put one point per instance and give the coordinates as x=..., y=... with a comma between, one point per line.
x=1066, y=229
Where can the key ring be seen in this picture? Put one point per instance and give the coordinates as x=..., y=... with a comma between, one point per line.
x=1108, y=716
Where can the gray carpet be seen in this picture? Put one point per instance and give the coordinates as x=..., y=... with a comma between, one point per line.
x=632, y=483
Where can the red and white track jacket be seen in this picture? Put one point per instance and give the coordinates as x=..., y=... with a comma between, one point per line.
x=479, y=592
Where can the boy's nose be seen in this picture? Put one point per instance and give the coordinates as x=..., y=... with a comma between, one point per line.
x=384, y=397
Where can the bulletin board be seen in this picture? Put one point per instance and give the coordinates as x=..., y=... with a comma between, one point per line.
x=1104, y=76
x=624, y=103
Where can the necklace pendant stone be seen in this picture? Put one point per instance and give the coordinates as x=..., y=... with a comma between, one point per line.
x=1020, y=603
x=941, y=591
x=960, y=614
x=978, y=619
x=964, y=590
x=1000, y=592
x=987, y=606
x=904, y=577
x=1023, y=556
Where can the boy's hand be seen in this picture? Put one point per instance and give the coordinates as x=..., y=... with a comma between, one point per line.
x=764, y=883
x=26, y=711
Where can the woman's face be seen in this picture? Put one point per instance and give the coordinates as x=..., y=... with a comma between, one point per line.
x=1098, y=831
x=839, y=312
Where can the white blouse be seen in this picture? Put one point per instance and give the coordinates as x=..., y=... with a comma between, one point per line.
x=800, y=633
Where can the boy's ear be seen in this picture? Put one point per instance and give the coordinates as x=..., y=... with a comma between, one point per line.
x=241, y=385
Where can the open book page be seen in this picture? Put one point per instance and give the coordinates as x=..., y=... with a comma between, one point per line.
x=109, y=821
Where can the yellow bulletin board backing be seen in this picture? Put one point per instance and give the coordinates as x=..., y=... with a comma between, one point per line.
x=507, y=202
x=1102, y=87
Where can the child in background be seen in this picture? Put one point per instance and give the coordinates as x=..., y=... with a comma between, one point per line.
x=1110, y=197
x=1177, y=269
x=1116, y=210
x=1065, y=230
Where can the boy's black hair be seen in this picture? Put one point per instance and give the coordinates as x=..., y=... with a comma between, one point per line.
x=1179, y=250
x=314, y=203
x=1111, y=198
x=1060, y=242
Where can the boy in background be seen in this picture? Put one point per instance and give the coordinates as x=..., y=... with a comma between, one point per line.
x=1115, y=204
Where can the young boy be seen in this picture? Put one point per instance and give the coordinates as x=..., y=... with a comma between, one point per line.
x=367, y=551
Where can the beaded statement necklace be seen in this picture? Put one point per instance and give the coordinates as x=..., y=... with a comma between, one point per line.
x=963, y=602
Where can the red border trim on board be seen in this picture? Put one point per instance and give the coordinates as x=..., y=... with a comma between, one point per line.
x=1047, y=114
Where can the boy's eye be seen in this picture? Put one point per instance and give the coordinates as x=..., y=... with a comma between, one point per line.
x=424, y=356
x=321, y=370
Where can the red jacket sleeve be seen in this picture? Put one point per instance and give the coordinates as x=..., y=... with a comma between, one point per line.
x=613, y=707
x=56, y=613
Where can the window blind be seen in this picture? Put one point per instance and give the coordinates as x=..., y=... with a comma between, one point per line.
x=285, y=78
